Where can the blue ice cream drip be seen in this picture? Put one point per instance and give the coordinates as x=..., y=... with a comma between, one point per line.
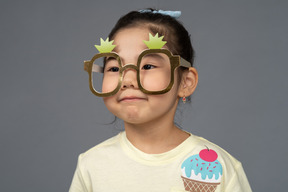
x=200, y=166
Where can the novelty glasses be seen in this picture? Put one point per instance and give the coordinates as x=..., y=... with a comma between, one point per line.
x=154, y=72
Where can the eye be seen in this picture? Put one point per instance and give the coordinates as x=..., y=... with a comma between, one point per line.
x=148, y=66
x=113, y=69
x=111, y=65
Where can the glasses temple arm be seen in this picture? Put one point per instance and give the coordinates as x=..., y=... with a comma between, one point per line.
x=95, y=68
x=184, y=63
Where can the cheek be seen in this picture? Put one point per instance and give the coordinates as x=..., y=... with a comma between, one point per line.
x=109, y=83
x=153, y=84
x=108, y=101
x=156, y=80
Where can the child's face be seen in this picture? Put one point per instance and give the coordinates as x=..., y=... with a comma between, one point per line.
x=130, y=104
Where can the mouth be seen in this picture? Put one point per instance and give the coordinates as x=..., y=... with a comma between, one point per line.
x=131, y=99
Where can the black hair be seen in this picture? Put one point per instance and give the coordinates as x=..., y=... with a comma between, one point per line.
x=177, y=37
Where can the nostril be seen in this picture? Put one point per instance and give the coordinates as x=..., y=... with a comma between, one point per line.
x=127, y=84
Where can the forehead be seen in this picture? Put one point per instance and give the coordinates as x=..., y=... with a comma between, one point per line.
x=134, y=37
x=131, y=38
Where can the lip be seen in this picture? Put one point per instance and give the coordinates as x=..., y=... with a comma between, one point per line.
x=131, y=99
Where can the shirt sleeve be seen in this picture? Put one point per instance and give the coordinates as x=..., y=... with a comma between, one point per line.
x=80, y=182
x=238, y=181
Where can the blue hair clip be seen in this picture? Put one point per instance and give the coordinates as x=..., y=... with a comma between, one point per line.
x=174, y=14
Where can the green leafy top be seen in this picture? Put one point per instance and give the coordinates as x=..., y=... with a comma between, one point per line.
x=105, y=46
x=155, y=42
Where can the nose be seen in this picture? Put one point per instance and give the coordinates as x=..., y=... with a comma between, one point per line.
x=129, y=79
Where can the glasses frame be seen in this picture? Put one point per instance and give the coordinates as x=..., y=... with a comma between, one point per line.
x=175, y=62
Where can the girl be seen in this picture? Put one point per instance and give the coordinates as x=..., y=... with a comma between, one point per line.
x=146, y=71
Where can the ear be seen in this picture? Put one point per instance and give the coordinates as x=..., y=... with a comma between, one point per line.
x=188, y=83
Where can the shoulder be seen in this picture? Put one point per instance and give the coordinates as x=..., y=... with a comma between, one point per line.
x=216, y=161
x=100, y=151
x=223, y=155
x=209, y=153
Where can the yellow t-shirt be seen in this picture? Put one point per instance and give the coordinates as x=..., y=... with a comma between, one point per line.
x=116, y=165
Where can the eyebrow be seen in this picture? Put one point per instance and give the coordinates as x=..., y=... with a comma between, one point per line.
x=154, y=55
x=109, y=58
x=106, y=59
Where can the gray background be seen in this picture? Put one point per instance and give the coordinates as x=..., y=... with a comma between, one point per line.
x=48, y=115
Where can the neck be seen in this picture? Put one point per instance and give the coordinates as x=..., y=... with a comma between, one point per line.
x=155, y=138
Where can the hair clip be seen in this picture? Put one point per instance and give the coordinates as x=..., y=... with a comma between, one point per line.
x=174, y=14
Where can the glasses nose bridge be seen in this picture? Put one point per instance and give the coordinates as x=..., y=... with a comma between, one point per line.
x=129, y=66
x=129, y=79
x=126, y=68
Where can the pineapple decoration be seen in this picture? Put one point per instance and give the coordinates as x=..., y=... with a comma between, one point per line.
x=155, y=42
x=105, y=46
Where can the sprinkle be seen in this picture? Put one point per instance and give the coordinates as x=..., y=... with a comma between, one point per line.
x=209, y=164
x=214, y=167
x=210, y=170
x=201, y=169
x=197, y=165
x=196, y=159
x=203, y=163
x=207, y=168
x=191, y=160
x=216, y=162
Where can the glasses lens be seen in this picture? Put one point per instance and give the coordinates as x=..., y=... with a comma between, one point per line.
x=105, y=74
x=155, y=71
